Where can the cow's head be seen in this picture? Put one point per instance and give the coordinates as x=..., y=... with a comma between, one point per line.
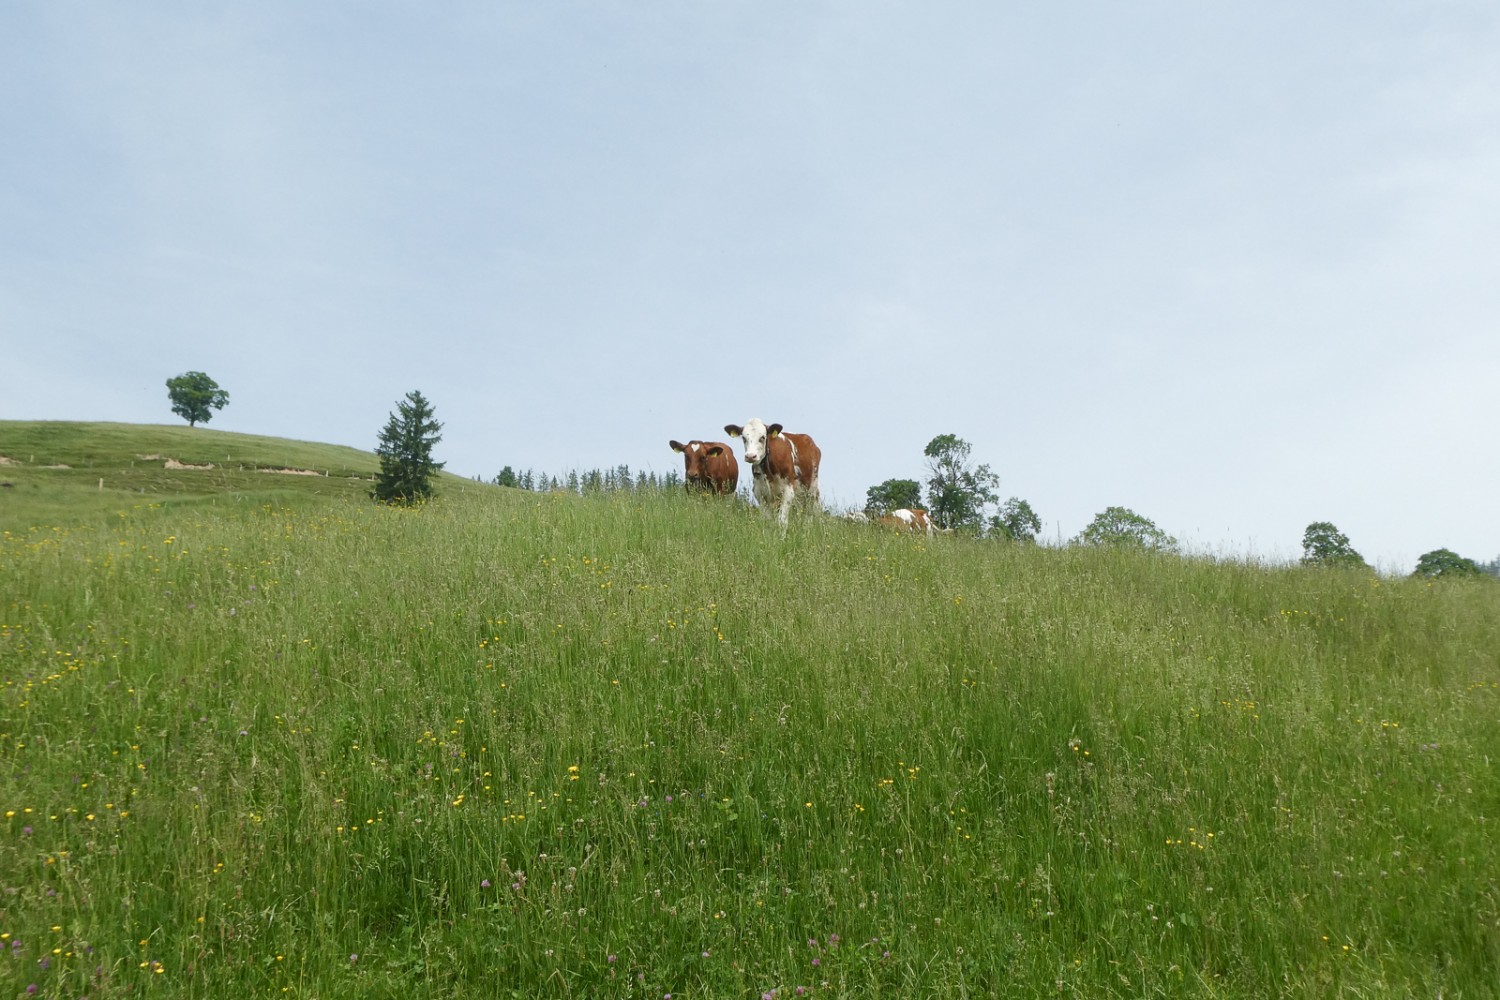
x=756, y=435
x=695, y=456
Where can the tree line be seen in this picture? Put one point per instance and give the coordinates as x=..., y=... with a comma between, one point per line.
x=616, y=480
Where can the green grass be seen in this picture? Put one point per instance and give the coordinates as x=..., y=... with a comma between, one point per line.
x=70, y=470
x=631, y=745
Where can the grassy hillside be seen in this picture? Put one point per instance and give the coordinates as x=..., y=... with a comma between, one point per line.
x=74, y=469
x=640, y=745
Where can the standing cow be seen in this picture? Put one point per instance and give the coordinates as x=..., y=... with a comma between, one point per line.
x=708, y=465
x=780, y=463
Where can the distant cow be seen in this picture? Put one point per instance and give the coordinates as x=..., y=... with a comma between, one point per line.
x=709, y=465
x=780, y=464
x=910, y=519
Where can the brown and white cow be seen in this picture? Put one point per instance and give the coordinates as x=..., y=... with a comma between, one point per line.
x=708, y=465
x=780, y=463
x=909, y=519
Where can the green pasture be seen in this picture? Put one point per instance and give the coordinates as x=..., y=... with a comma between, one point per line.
x=279, y=741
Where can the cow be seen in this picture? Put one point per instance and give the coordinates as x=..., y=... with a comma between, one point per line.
x=909, y=519
x=708, y=465
x=779, y=463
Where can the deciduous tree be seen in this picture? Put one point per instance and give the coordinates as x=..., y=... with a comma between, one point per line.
x=1016, y=521
x=1446, y=563
x=958, y=494
x=405, y=450
x=195, y=396
x=893, y=494
x=1323, y=544
x=1123, y=526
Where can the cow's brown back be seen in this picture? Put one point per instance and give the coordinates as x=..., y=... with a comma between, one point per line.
x=783, y=448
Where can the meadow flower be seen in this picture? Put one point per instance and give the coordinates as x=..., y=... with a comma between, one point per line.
x=485, y=884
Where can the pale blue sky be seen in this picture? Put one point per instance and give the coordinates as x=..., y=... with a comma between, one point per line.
x=1236, y=267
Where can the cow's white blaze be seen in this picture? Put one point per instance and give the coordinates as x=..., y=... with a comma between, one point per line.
x=754, y=435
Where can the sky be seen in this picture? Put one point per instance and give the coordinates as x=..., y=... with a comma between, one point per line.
x=1235, y=267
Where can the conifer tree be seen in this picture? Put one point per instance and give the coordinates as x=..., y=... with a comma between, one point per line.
x=405, y=450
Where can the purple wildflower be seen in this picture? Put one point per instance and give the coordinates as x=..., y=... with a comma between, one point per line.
x=485, y=884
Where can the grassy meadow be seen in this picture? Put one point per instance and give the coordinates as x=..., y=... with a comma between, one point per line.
x=279, y=741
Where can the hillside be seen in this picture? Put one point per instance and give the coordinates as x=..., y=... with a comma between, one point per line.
x=78, y=469
x=645, y=744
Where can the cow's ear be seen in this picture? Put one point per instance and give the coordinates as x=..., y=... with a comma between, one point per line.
x=714, y=451
x=773, y=431
x=733, y=430
x=678, y=446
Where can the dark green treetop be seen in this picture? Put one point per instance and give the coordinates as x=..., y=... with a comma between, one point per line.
x=958, y=493
x=1123, y=526
x=1016, y=521
x=893, y=494
x=405, y=450
x=195, y=396
x=1447, y=564
x=1323, y=544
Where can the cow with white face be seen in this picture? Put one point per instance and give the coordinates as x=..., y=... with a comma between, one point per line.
x=781, y=464
x=708, y=466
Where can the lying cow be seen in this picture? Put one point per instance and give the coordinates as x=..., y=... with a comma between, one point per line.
x=909, y=519
x=708, y=465
x=780, y=464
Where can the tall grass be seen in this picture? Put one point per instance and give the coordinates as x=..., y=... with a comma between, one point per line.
x=635, y=745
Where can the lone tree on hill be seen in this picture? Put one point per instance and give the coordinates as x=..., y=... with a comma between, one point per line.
x=1325, y=545
x=1123, y=526
x=957, y=495
x=195, y=396
x=405, y=450
x=1446, y=563
x=893, y=494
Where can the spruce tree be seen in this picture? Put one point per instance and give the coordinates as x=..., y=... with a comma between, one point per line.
x=405, y=450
